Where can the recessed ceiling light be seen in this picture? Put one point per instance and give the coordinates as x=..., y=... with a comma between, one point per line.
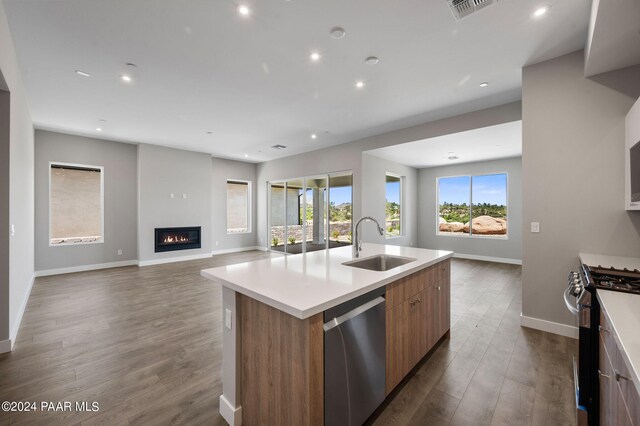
x=313, y=136
x=98, y=129
x=125, y=78
x=244, y=10
x=315, y=56
x=246, y=156
x=359, y=84
x=541, y=11
x=484, y=84
x=338, y=33
x=82, y=73
x=372, y=60
x=452, y=156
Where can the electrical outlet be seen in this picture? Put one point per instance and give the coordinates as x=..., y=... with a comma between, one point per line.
x=227, y=318
x=535, y=227
x=119, y=252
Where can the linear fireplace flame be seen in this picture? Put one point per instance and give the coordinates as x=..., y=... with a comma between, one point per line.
x=170, y=239
x=176, y=239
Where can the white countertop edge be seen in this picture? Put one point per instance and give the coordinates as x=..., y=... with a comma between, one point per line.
x=304, y=314
x=635, y=376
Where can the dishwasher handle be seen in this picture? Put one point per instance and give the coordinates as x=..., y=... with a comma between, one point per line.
x=353, y=313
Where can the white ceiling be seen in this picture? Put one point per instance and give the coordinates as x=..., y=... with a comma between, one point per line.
x=203, y=68
x=486, y=143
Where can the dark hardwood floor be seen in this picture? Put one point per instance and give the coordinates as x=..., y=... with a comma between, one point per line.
x=490, y=371
x=145, y=343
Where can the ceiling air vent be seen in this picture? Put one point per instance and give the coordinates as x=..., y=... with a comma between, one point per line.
x=278, y=146
x=463, y=8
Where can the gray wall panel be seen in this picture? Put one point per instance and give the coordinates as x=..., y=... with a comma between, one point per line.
x=120, y=199
x=511, y=248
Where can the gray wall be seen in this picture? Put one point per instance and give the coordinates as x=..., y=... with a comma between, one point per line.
x=21, y=207
x=162, y=171
x=349, y=156
x=223, y=170
x=120, y=199
x=374, y=170
x=4, y=212
x=510, y=248
x=573, y=178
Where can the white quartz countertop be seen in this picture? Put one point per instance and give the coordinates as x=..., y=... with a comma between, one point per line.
x=595, y=260
x=624, y=311
x=303, y=285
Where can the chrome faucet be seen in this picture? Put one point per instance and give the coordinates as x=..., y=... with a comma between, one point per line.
x=357, y=247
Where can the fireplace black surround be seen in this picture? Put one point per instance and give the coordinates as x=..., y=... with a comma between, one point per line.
x=171, y=239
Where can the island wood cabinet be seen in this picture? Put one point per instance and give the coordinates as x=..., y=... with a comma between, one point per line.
x=418, y=308
x=619, y=399
x=282, y=357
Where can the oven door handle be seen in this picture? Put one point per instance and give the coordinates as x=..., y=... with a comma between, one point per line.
x=571, y=306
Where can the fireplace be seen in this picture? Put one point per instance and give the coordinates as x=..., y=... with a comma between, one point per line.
x=171, y=239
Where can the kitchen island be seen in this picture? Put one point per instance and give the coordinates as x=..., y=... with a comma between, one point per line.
x=273, y=337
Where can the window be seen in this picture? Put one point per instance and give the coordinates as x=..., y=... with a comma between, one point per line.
x=394, y=206
x=76, y=204
x=310, y=213
x=477, y=200
x=238, y=206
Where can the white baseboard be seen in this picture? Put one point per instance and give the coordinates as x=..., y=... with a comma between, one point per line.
x=173, y=259
x=5, y=346
x=488, y=258
x=262, y=248
x=549, y=327
x=231, y=414
x=234, y=250
x=23, y=306
x=84, y=268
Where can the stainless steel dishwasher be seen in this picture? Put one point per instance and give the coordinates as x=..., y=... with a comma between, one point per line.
x=354, y=359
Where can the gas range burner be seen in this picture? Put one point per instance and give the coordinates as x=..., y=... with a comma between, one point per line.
x=614, y=279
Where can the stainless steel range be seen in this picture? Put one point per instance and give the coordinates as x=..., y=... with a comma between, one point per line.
x=580, y=298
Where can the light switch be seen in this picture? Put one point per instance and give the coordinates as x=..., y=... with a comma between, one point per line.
x=227, y=318
x=172, y=195
x=535, y=227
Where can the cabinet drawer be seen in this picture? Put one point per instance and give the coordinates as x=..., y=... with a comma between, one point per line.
x=606, y=333
x=626, y=386
x=625, y=400
x=407, y=287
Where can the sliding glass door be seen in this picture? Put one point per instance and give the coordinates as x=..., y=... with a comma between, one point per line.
x=304, y=217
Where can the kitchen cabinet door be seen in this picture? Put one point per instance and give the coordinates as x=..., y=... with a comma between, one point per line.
x=397, y=352
x=607, y=381
x=417, y=338
x=431, y=327
x=443, y=290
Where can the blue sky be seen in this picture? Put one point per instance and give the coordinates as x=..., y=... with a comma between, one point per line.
x=490, y=189
x=341, y=194
x=393, y=192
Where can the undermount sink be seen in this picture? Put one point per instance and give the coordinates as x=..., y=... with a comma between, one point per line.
x=380, y=262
